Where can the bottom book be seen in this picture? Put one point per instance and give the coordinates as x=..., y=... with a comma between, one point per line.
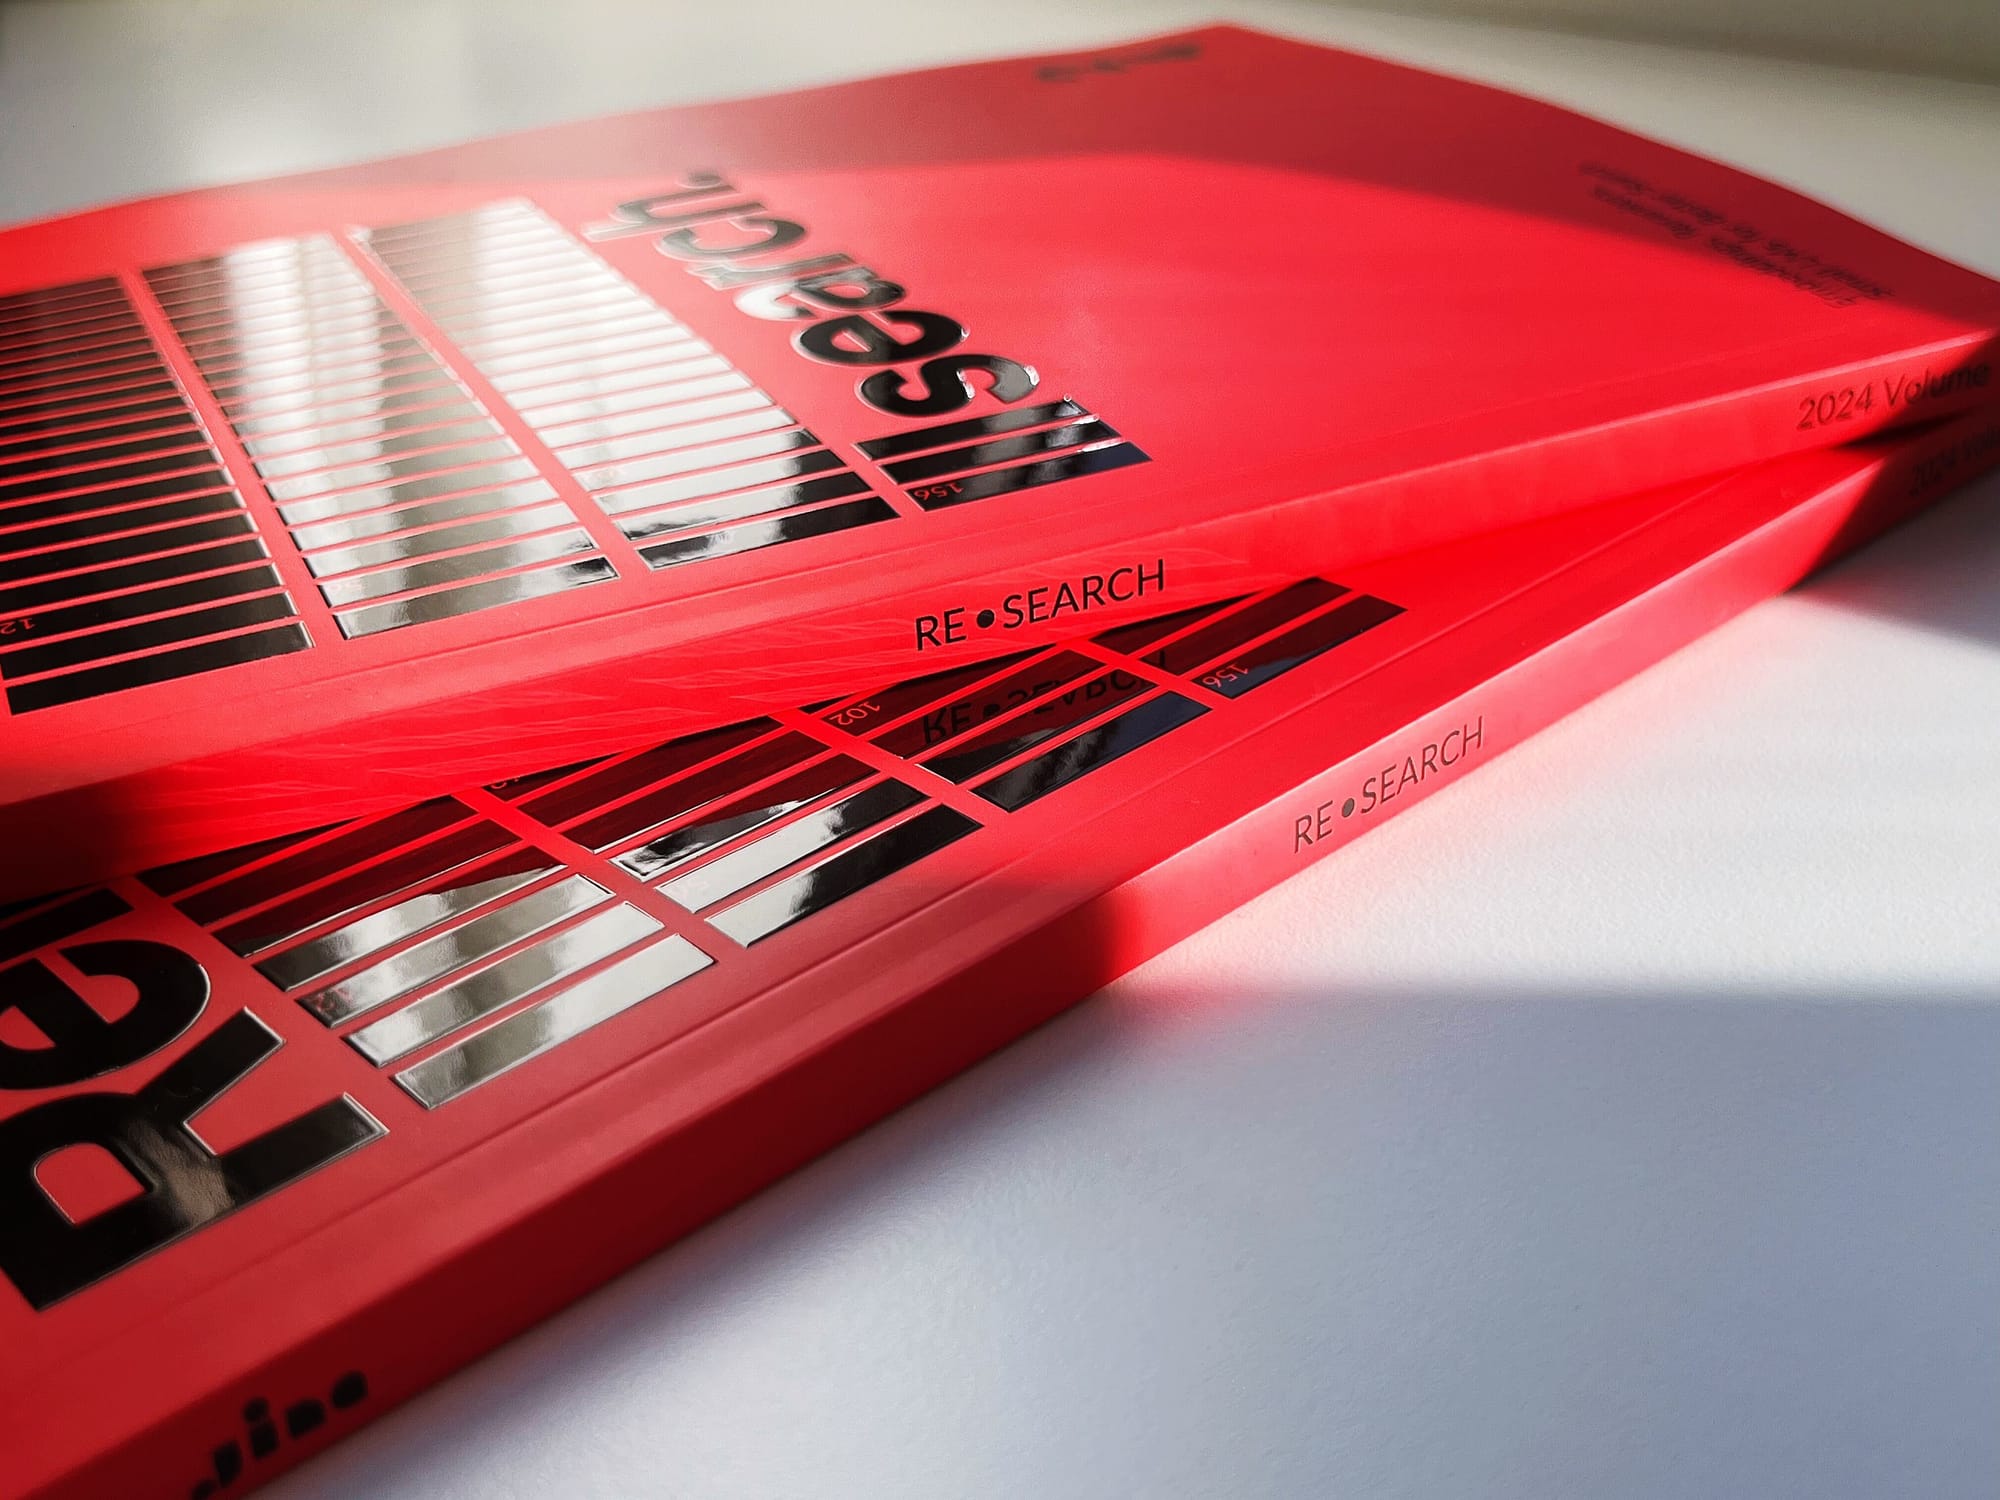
x=290, y=1132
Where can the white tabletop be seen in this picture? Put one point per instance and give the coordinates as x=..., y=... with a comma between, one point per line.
x=1621, y=1122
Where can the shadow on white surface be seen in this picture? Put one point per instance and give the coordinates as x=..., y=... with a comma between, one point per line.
x=1940, y=571
x=1399, y=1243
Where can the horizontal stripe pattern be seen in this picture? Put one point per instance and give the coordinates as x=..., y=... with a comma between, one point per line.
x=407, y=499
x=437, y=942
x=127, y=556
x=676, y=445
x=1022, y=448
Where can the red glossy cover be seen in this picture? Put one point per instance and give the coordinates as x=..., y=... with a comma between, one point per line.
x=397, y=1088
x=317, y=491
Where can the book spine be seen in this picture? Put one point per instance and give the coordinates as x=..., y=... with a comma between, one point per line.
x=1826, y=407
x=1627, y=455
x=1839, y=406
x=456, y=1308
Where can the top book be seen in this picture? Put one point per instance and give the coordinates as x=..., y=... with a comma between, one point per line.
x=578, y=437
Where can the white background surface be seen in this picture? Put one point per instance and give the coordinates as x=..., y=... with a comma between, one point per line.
x=1620, y=1122
x=1957, y=37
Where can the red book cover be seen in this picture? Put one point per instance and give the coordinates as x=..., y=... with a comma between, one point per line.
x=319, y=491
x=288, y=1133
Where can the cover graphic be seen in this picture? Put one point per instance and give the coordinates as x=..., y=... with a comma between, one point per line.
x=289, y=1131
x=319, y=491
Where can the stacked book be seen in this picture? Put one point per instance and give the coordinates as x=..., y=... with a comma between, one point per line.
x=544, y=683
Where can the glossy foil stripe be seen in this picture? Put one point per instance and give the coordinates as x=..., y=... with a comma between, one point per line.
x=530, y=1032
x=674, y=443
x=127, y=556
x=953, y=463
x=715, y=821
x=716, y=835
x=407, y=500
x=429, y=926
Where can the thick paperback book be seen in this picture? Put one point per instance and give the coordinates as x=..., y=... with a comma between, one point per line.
x=289, y=1132
x=317, y=492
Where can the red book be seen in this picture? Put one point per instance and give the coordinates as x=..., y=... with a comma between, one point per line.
x=390, y=1091
x=317, y=492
